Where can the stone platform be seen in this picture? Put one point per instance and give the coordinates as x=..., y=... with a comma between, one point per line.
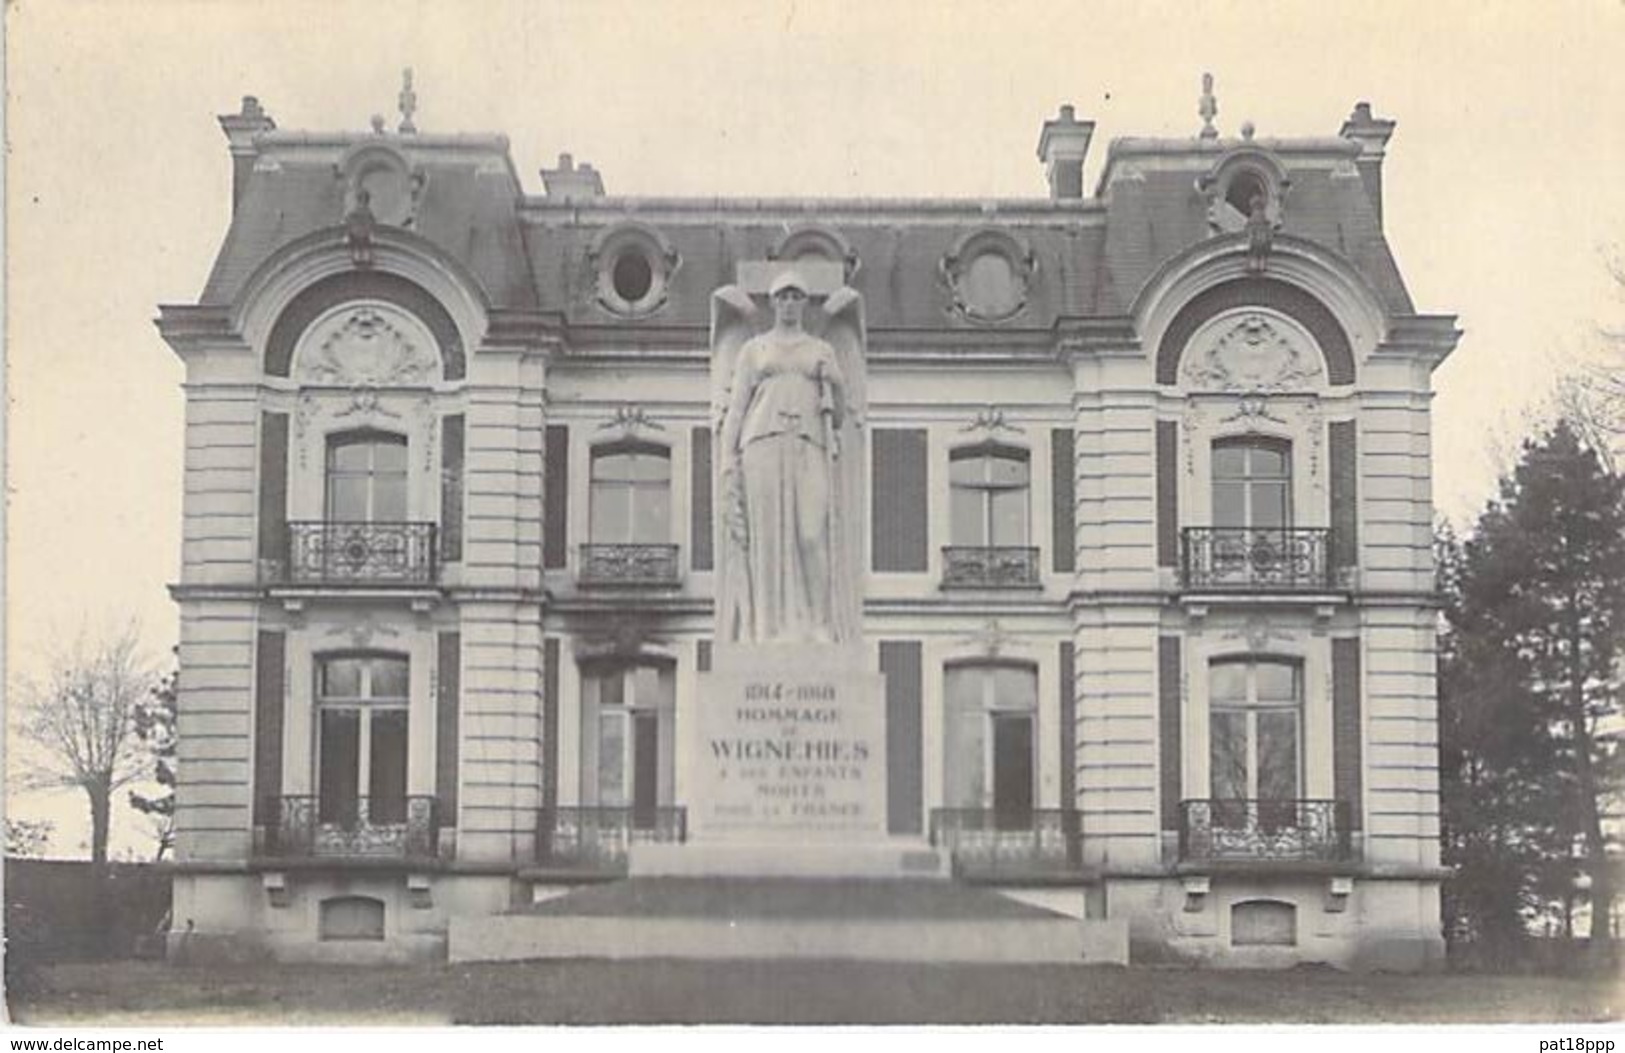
x=753, y=918
x=788, y=859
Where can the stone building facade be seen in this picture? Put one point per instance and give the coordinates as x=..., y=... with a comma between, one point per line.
x=1149, y=571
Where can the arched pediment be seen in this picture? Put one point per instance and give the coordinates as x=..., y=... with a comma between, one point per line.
x=1270, y=294
x=318, y=300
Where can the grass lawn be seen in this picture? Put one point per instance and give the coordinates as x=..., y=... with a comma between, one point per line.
x=786, y=992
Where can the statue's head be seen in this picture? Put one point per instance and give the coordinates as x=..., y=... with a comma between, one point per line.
x=789, y=295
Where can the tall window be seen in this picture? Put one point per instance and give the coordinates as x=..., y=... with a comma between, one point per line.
x=1255, y=733
x=627, y=738
x=988, y=495
x=1252, y=483
x=366, y=477
x=631, y=494
x=990, y=740
x=361, y=737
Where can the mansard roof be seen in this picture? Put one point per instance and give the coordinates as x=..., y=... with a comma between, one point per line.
x=469, y=192
x=1090, y=256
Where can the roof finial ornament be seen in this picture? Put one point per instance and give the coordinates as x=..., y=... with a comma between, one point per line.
x=1208, y=108
x=408, y=102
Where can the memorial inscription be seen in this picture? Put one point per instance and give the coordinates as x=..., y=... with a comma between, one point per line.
x=792, y=755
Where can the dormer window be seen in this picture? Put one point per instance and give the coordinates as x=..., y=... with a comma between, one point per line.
x=1246, y=180
x=633, y=267
x=1246, y=189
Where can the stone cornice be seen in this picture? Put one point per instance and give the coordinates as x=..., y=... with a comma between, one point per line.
x=528, y=329
x=183, y=326
x=1430, y=337
x=824, y=210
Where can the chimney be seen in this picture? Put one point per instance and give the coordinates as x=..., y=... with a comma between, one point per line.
x=240, y=129
x=570, y=180
x=1062, y=146
x=1372, y=133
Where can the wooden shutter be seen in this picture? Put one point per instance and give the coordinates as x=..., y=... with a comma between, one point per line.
x=451, y=488
x=1343, y=460
x=556, y=496
x=269, y=699
x=1063, y=527
x=900, y=661
x=1069, y=727
x=550, y=722
x=1169, y=753
x=699, y=503
x=1167, y=493
x=899, y=507
x=274, y=487
x=1347, y=773
x=448, y=701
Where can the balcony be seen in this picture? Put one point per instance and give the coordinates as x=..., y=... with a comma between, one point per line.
x=596, y=839
x=628, y=565
x=1256, y=559
x=1265, y=831
x=989, y=567
x=988, y=844
x=334, y=553
x=355, y=828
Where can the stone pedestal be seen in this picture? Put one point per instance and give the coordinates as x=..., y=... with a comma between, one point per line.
x=787, y=743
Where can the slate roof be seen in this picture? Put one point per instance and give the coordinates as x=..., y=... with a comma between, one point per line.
x=465, y=211
x=900, y=254
x=1092, y=256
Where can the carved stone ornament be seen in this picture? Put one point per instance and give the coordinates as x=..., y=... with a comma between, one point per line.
x=991, y=419
x=631, y=419
x=1253, y=355
x=1252, y=408
x=365, y=348
x=364, y=402
x=1259, y=633
x=988, y=275
x=992, y=640
x=364, y=631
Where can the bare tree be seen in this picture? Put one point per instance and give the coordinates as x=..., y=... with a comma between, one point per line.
x=1592, y=397
x=78, y=724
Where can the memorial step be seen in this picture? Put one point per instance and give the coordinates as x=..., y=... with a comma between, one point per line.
x=754, y=918
x=788, y=859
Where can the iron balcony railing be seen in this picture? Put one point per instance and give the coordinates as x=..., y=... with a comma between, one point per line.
x=628, y=565
x=598, y=837
x=989, y=566
x=1257, y=559
x=1265, y=831
x=312, y=827
x=1008, y=843
x=335, y=553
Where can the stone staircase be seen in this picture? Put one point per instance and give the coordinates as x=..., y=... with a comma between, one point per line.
x=754, y=917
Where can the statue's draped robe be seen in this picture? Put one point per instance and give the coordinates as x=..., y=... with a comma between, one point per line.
x=790, y=455
x=784, y=395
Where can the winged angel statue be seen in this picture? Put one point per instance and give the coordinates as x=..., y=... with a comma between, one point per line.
x=789, y=409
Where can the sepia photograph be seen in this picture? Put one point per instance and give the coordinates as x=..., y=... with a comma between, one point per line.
x=810, y=512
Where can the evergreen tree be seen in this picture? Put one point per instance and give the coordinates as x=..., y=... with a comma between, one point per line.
x=1529, y=668
x=155, y=727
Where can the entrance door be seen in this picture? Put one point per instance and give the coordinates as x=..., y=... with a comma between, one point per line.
x=1012, y=771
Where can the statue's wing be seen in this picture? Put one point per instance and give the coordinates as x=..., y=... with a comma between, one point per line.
x=733, y=321
x=844, y=331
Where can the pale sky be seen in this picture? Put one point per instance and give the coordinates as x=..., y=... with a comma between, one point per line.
x=1502, y=185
